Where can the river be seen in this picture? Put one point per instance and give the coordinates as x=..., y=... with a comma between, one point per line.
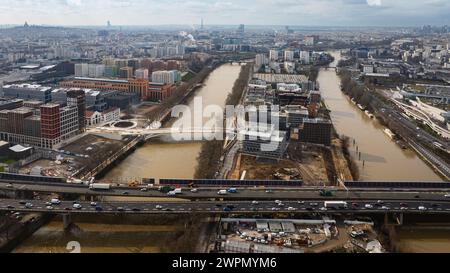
x=384, y=159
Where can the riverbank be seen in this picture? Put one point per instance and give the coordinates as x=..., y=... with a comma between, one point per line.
x=377, y=156
x=375, y=103
x=212, y=151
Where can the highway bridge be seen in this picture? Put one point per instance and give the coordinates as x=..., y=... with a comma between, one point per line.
x=232, y=207
x=24, y=189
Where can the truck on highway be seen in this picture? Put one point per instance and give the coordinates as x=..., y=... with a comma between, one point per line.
x=166, y=189
x=100, y=187
x=336, y=204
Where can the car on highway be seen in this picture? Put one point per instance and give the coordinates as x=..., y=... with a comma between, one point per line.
x=275, y=209
x=313, y=204
x=28, y=205
x=136, y=209
x=159, y=207
x=227, y=209
x=120, y=209
x=291, y=209
x=98, y=208
x=22, y=202
x=219, y=205
x=67, y=208
x=385, y=208
x=10, y=207
x=447, y=196
x=422, y=208
x=269, y=191
x=93, y=204
x=125, y=193
x=9, y=185
x=368, y=206
x=194, y=190
x=255, y=203
x=323, y=209
x=49, y=208
x=301, y=202
x=55, y=201
x=77, y=206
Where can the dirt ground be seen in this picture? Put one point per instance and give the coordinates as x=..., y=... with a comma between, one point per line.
x=311, y=170
x=143, y=110
x=96, y=148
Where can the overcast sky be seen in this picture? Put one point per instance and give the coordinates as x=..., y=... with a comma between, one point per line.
x=232, y=12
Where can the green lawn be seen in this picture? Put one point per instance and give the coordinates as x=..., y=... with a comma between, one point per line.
x=7, y=161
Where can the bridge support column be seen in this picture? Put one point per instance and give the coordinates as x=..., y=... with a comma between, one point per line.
x=67, y=221
x=400, y=218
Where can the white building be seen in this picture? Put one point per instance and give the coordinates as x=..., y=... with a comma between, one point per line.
x=167, y=77
x=142, y=74
x=273, y=55
x=368, y=69
x=81, y=70
x=305, y=57
x=96, y=118
x=69, y=122
x=260, y=60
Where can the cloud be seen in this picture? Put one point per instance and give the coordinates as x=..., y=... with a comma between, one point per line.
x=234, y=12
x=374, y=2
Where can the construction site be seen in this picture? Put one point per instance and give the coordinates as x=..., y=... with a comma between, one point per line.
x=296, y=236
x=75, y=159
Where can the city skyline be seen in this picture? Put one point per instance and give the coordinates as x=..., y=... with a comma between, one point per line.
x=232, y=12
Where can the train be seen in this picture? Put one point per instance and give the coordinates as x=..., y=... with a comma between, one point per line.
x=230, y=183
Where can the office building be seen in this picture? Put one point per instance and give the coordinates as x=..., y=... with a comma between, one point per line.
x=159, y=91
x=136, y=86
x=77, y=98
x=28, y=92
x=263, y=141
x=289, y=56
x=317, y=131
x=126, y=72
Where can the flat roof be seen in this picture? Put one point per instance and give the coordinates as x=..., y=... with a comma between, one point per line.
x=19, y=148
x=100, y=80
x=36, y=87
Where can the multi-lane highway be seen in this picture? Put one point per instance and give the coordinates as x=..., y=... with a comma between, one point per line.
x=242, y=194
x=248, y=207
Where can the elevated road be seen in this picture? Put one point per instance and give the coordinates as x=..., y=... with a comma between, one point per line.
x=270, y=207
x=242, y=193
